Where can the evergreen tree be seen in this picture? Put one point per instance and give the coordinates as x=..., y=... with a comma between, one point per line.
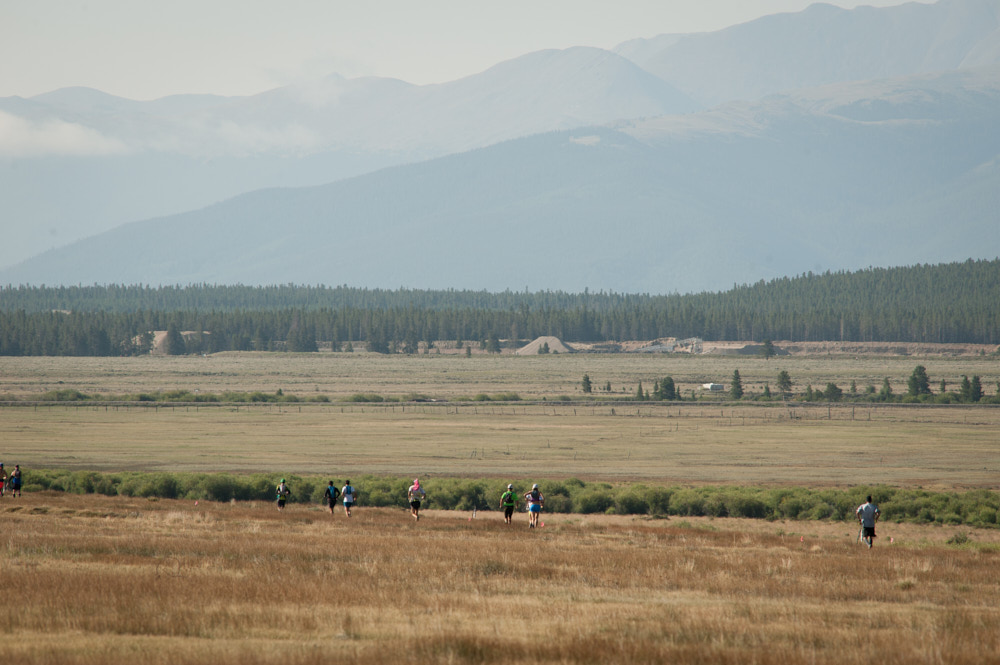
x=832, y=392
x=174, y=344
x=736, y=389
x=965, y=390
x=976, y=389
x=885, y=394
x=639, y=395
x=586, y=383
x=918, y=383
x=767, y=391
x=767, y=349
x=784, y=382
x=668, y=389
x=493, y=344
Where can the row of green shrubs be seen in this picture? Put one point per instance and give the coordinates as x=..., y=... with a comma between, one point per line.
x=974, y=508
x=186, y=396
x=179, y=396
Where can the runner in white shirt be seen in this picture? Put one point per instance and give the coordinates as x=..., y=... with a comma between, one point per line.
x=868, y=513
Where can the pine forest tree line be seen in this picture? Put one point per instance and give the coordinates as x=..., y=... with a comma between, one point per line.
x=950, y=303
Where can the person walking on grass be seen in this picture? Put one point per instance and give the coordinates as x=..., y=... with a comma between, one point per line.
x=282, y=493
x=331, y=495
x=350, y=496
x=868, y=513
x=3, y=479
x=508, y=502
x=415, y=495
x=535, y=502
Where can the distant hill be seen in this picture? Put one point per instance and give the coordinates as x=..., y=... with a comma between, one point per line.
x=842, y=177
x=77, y=162
x=84, y=161
x=823, y=44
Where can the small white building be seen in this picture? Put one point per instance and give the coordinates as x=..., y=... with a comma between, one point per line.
x=714, y=387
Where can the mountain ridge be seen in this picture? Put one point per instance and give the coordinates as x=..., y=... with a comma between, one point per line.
x=635, y=206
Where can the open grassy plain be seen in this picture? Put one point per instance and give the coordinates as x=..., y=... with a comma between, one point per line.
x=92, y=580
x=107, y=580
x=451, y=376
x=939, y=448
x=596, y=438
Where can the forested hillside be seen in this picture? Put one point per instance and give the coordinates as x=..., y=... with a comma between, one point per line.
x=954, y=303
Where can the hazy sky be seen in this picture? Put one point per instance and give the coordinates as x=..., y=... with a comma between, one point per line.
x=144, y=49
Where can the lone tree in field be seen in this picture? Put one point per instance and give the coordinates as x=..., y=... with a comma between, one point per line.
x=666, y=389
x=919, y=383
x=736, y=389
x=586, y=383
x=767, y=349
x=784, y=382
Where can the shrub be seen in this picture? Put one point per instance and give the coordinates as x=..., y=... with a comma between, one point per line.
x=558, y=504
x=631, y=503
x=593, y=502
x=687, y=502
x=715, y=506
x=659, y=500
x=986, y=517
x=790, y=507
x=822, y=511
x=743, y=505
x=364, y=397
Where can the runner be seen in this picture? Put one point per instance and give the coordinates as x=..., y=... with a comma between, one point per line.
x=868, y=513
x=331, y=495
x=350, y=496
x=282, y=494
x=535, y=502
x=15, y=481
x=415, y=495
x=508, y=501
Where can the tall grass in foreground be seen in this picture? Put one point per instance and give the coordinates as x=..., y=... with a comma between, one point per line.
x=974, y=507
x=91, y=579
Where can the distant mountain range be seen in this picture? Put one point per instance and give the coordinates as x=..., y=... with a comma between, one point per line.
x=846, y=176
x=638, y=171
x=79, y=161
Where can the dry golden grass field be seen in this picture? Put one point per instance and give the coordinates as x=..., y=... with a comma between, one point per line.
x=99, y=580
x=93, y=580
x=747, y=443
x=931, y=448
x=450, y=376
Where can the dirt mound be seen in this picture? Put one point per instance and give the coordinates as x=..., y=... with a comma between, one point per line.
x=160, y=339
x=555, y=345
